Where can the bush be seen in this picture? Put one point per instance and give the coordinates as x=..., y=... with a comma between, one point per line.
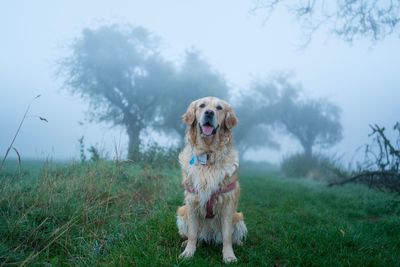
x=157, y=156
x=318, y=166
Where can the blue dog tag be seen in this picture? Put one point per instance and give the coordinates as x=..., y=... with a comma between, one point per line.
x=193, y=160
x=201, y=158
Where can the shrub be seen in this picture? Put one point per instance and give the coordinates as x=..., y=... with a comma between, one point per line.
x=318, y=166
x=158, y=156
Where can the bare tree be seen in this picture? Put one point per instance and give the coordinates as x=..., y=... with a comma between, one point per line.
x=347, y=19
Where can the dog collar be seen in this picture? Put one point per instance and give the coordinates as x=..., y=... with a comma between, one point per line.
x=202, y=159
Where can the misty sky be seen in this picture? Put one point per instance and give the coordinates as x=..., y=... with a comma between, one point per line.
x=363, y=79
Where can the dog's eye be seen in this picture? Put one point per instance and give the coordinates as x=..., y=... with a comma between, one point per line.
x=202, y=105
x=219, y=107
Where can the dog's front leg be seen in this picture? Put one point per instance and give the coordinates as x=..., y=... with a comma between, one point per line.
x=193, y=228
x=227, y=231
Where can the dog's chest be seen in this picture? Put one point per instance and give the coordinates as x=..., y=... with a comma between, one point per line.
x=205, y=179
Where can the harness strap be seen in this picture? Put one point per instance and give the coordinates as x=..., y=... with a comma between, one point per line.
x=209, y=206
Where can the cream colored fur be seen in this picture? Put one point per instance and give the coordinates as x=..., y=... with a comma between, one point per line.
x=227, y=226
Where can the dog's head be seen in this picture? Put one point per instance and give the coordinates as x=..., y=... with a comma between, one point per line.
x=208, y=117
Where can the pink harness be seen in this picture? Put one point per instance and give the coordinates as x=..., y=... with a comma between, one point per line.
x=209, y=206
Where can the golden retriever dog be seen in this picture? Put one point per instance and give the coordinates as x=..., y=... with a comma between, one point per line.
x=209, y=164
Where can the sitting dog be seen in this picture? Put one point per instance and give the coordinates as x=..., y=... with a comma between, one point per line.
x=209, y=165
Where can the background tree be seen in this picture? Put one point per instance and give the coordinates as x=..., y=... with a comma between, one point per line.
x=371, y=19
x=121, y=74
x=312, y=122
x=194, y=79
x=277, y=103
x=256, y=115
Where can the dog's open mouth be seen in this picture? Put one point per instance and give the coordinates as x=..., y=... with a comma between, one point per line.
x=207, y=129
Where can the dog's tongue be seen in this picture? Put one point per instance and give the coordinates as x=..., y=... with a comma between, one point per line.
x=207, y=130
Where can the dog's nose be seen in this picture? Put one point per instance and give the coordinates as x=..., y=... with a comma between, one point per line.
x=209, y=113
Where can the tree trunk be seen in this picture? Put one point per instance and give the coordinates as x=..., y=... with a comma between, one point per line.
x=134, y=142
x=307, y=147
x=307, y=150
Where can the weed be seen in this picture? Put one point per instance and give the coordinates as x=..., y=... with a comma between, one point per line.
x=16, y=134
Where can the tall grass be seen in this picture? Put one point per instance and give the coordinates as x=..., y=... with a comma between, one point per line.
x=118, y=214
x=159, y=157
x=72, y=214
x=11, y=146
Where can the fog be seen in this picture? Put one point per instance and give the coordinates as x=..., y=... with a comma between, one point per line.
x=361, y=78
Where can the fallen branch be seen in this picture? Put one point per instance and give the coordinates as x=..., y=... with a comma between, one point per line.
x=364, y=175
x=383, y=180
x=381, y=166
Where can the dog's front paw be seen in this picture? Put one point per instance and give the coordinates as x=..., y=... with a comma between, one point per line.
x=187, y=253
x=230, y=259
x=229, y=256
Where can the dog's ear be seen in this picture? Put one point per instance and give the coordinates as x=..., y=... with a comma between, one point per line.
x=230, y=119
x=190, y=116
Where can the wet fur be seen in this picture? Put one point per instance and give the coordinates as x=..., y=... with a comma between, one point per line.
x=227, y=226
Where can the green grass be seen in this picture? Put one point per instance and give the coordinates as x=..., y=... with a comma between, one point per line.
x=118, y=214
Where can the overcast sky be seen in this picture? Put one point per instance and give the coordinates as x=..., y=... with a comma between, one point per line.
x=363, y=79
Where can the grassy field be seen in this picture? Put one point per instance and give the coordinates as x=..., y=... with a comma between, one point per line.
x=108, y=213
